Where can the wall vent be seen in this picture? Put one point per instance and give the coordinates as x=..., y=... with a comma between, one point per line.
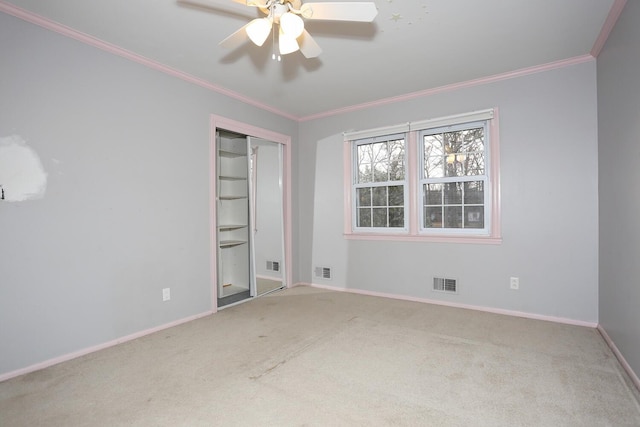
x=273, y=266
x=323, y=273
x=442, y=284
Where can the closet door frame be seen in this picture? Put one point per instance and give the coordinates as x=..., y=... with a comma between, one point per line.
x=223, y=123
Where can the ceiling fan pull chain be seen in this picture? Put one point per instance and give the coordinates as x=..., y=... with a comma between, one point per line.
x=273, y=46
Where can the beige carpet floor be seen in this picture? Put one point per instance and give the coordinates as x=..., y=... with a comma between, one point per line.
x=267, y=285
x=309, y=357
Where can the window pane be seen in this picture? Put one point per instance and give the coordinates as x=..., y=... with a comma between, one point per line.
x=452, y=144
x=433, y=194
x=433, y=153
x=380, y=159
x=396, y=195
x=396, y=217
x=453, y=193
x=396, y=160
x=472, y=140
x=463, y=154
x=433, y=217
x=379, y=217
x=379, y=196
x=452, y=216
x=365, y=154
x=474, y=164
x=434, y=167
x=364, y=173
x=364, y=163
x=364, y=196
x=381, y=171
x=474, y=217
x=433, y=145
x=380, y=206
x=364, y=217
x=474, y=193
x=454, y=167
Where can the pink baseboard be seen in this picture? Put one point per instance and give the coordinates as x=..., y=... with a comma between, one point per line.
x=456, y=305
x=66, y=357
x=621, y=359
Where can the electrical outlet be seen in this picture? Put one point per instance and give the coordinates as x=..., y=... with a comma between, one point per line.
x=166, y=294
x=514, y=283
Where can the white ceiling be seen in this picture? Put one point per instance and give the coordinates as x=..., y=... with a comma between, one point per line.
x=413, y=45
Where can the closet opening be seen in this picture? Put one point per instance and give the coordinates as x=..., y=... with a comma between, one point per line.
x=251, y=228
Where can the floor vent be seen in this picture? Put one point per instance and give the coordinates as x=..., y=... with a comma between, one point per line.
x=273, y=266
x=442, y=284
x=323, y=272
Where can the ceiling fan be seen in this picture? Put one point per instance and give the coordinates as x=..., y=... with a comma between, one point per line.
x=288, y=16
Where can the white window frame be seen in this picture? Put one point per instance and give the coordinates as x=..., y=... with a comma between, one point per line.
x=355, y=185
x=413, y=230
x=486, y=230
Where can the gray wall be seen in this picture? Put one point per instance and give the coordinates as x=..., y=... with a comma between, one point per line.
x=619, y=151
x=548, y=150
x=126, y=211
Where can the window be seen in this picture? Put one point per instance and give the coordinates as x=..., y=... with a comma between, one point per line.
x=454, y=178
x=430, y=180
x=380, y=183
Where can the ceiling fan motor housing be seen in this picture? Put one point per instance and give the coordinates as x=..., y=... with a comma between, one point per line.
x=277, y=8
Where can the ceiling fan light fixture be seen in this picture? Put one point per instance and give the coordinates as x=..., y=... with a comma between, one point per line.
x=258, y=30
x=291, y=24
x=288, y=16
x=286, y=43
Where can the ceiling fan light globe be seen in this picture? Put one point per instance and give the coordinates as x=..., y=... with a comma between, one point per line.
x=291, y=24
x=258, y=30
x=286, y=43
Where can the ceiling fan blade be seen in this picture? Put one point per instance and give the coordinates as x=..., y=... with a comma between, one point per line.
x=256, y=3
x=308, y=46
x=221, y=6
x=344, y=11
x=236, y=39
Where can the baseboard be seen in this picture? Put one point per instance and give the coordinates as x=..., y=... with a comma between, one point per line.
x=274, y=278
x=621, y=359
x=455, y=305
x=295, y=285
x=66, y=357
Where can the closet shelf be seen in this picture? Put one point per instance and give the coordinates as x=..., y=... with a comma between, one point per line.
x=228, y=227
x=232, y=197
x=232, y=178
x=231, y=243
x=225, y=153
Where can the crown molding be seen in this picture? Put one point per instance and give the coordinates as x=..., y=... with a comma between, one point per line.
x=30, y=17
x=48, y=24
x=609, y=23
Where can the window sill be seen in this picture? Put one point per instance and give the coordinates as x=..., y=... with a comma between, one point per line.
x=483, y=240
